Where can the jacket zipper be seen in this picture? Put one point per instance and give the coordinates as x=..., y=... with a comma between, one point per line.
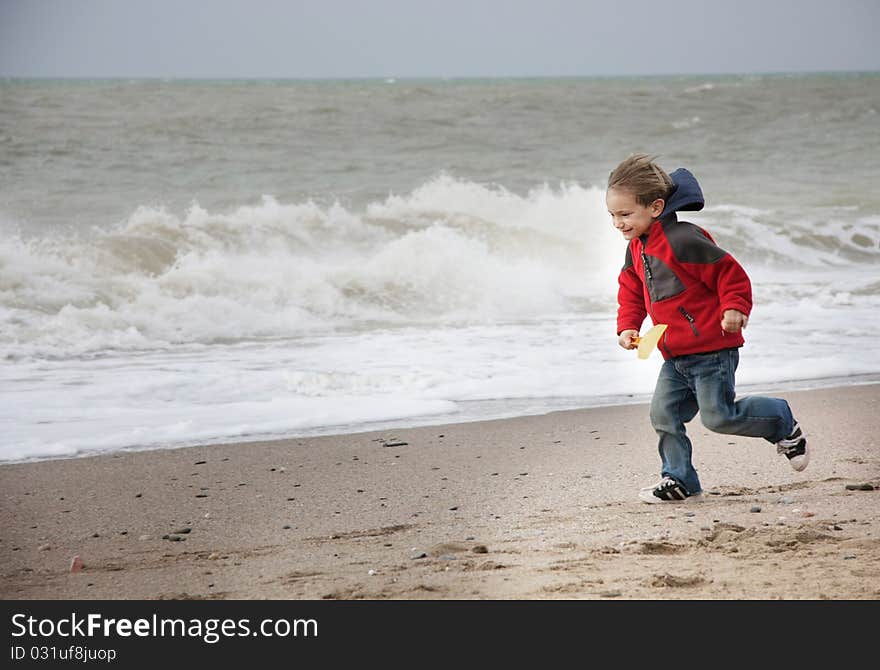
x=649, y=281
x=649, y=278
x=690, y=319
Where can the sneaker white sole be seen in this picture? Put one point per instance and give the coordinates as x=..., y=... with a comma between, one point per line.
x=647, y=496
x=800, y=463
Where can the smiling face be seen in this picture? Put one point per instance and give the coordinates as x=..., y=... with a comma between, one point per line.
x=628, y=216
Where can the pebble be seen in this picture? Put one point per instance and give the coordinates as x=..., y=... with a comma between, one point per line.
x=371, y=572
x=860, y=487
x=213, y=556
x=76, y=564
x=480, y=549
x=849, y=557
x=183, y=531
x=419, y=554
x=395, y=443
x=690, y=514
x=44, y=547
x=786, y=500
x=755, y=509
x=286, y=526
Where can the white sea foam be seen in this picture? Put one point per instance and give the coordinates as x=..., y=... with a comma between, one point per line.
x=812, y=239
x=449, y=252
x=400, y=376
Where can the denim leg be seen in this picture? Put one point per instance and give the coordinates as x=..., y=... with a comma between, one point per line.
x=754, y=416
x=672, y=406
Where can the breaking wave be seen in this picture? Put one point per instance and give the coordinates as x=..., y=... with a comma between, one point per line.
x=451, y=251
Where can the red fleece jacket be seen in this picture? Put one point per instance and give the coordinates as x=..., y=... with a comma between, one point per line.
x=678, y=275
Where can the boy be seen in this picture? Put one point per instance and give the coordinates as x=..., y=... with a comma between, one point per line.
x=675, y=272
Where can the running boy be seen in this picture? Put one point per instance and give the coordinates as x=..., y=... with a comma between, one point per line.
x=675, y=272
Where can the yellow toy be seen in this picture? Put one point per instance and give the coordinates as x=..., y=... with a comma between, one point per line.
x=649, y=340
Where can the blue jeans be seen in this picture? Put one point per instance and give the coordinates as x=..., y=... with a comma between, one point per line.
x=705, y=382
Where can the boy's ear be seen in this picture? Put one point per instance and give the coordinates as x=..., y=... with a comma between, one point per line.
x=657, y=207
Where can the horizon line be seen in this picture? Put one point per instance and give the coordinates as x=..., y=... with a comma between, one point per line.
x=395, y=78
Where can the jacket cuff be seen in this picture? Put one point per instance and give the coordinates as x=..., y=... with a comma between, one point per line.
x=738, y=305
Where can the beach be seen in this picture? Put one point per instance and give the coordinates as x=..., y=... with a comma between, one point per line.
x=533, y=507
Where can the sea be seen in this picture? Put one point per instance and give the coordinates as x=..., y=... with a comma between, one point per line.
x=198, y=262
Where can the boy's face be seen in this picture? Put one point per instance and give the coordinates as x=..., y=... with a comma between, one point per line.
x=628, y=216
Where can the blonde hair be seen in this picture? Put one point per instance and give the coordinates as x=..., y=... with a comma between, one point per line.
x=642, y=177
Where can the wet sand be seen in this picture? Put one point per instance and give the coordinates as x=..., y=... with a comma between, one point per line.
x=540, y=507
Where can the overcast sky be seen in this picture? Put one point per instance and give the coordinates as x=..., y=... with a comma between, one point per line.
x=433, y=38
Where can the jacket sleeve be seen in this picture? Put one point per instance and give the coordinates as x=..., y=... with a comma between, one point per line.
x=731, y=283
x=713, y=266
x=631, y=310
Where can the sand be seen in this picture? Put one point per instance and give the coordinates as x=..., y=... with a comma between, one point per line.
x=539, y=507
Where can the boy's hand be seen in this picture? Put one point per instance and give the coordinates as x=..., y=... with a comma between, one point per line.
x=626, y=339
x=733, y=320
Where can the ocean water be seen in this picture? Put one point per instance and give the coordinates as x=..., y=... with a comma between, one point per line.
x=190, y=262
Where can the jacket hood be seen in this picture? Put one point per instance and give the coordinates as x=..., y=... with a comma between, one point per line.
x=686, y=193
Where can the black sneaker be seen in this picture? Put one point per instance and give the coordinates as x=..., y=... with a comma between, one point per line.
x=794, y=448
x=668, y=490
